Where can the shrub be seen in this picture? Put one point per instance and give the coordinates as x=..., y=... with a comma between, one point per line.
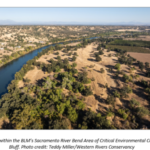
x=80, y=105
x=69, y=54
x=82, y=77
x=125, y=90
x=148, y=73
x=141, y=111
x=100, y=52
x=110, y=100
x=57, y=53
x=74, y=58
x=72, y=114
x=74, y=65
x=123, y=113
x=102, y=70
x=98, y=58
x=133, y=103
x=110, y=114
x=58, y=57
x=146, y=65
x=66, y=61
x=116, y=94
x=87, y=91
x=75, y=53
x=57, y=69
x=48, y=83
x=77, y=87
x=109, y=55
x=127, y=78
x=93, y=79
x=117, y=66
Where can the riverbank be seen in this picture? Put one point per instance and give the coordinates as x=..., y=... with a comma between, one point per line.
x=24, y=52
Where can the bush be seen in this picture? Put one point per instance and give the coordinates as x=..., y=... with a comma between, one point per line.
x=141, y=111
x=57, y=69
x=109, y=55
x=116, y=94
x=65, y=61
x=75, y=53
x=110, y=100
x=58, y=57
x=57, y=53
x=110, y=114
x=98, y=58
x=102, y=70
x=69, y=54
x=74, y=65
x=148, y=73
x=123, y=113
x=93, y=79
x=125, y=90
x=146, y=65
x=74, y=58
x=87, y=91
x=72, y=114
x=100, y=52
x=127, y=78
x=133, y=103
x=117, y=66
x=78, y=87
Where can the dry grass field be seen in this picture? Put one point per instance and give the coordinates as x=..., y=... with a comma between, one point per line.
x=96, y=101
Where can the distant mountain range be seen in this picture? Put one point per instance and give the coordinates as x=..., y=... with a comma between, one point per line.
x=11, y=22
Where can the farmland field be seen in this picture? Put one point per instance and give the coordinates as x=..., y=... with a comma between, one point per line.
x=140, y=56
x=130, y=48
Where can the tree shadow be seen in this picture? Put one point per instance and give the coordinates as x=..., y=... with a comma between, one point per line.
x=90, y=59
x=139, y=92
x=99, y=99
x=97, y=70
x=101, y=85
x=39, y=82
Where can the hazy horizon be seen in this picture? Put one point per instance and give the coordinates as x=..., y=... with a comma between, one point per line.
x=75, y=16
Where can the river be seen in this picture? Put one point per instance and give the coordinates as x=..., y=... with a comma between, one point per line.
x=8, y=71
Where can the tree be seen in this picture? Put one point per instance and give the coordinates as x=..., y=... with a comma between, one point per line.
x=141, y=111
x=74, y=58
x=72, y=114
x=48, y=84
x=116, y=94
x=110, y=100
x=146, y=65
x=98, y=58
x=141, y=66
x=133, y=103
x=87, y=91
x=100, y=52
x=117, y=66
x=102, y=70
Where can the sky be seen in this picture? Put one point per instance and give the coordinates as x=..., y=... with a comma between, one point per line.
x=81, y=15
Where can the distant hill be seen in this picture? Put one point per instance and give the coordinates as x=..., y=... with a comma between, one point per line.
x=11, y=22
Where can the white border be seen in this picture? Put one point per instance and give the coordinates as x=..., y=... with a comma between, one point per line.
x=75, y=3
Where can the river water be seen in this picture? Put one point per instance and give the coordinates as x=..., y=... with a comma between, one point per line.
x=8, y=71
